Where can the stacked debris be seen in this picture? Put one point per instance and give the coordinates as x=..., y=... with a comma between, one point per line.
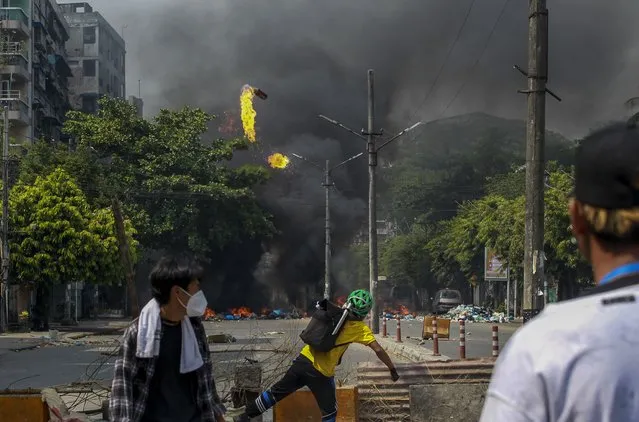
x=473, y=313
x=399, y=315
x=244, y=313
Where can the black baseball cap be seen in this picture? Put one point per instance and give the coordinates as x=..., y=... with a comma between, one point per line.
x=607, y=167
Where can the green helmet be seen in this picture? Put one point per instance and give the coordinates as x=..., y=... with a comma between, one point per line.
x=361, y=302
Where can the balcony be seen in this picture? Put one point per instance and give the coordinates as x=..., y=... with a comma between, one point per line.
x=17, y=66
x=14, y=18
x=18, y=113
x=11, y=95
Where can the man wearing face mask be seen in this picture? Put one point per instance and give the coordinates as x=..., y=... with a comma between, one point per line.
x=163, y=372
x=578, y=360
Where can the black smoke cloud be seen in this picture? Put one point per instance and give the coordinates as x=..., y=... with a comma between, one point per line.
x=311, y=57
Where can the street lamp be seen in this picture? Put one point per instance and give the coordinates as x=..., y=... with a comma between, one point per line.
x=369, y=136
x=327, y=219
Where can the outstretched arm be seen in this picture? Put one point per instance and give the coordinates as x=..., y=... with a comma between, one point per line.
x=383, y=356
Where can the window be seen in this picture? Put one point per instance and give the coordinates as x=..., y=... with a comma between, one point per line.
x=88, y=34
x=79, y=9
x=88, y=67
x=450, y=294
x=89, y=105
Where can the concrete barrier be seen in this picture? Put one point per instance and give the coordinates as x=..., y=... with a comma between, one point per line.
x=383, y=399
x=301, y=406
x=23, y=406
x=447, y=402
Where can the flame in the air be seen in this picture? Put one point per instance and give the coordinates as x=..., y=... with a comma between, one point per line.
x=278, y=161
x=248, y=112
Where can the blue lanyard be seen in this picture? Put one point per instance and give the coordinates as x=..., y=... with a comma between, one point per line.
x=619, y=272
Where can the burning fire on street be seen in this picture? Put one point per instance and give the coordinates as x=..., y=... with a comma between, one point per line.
x=245, y=313
x=248, y=112
x=278, y=161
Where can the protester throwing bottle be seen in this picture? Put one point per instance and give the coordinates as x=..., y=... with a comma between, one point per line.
x=326, y=342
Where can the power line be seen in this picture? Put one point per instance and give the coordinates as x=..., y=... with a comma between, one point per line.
x=448, y=54
x=461, y=88
x=481, y=56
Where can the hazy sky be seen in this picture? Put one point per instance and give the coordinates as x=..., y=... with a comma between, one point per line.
x=192, y=47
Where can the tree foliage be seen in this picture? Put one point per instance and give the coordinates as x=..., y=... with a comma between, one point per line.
x=405, y=259
x=177, y=187
x=58, y=237
x=497, y=222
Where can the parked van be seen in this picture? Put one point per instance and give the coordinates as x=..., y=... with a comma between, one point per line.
x=445, y=300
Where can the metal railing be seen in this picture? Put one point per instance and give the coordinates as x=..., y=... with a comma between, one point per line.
x=20, y=107
x=12, y=48
x=13, y=14
x=17, y=61
x=10, y=94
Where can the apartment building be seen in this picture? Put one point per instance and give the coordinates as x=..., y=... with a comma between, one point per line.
x=138, y=103
x=33, y=68
x=97, y=57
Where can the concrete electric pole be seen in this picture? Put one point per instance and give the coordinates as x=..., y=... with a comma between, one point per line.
x=372, y=149
x=4, y=292
x=535, y=161
x=328, y=184
x=327, y=231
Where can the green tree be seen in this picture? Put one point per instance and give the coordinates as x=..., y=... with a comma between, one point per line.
x=405, y=260
x=498, y=223
x=177, y=187
x=58, y=238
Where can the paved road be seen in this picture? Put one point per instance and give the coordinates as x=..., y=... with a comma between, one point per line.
x=478, y=337
x=87, y=359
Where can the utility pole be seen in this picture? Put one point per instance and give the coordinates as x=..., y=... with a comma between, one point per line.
x=373, y=266
x=328, y=184
x=372, y=149
x=327, y=233
x=125, y=257
x=535, y=161
x=4, y=292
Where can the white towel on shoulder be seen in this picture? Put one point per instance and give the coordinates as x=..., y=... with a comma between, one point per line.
x=150, y=331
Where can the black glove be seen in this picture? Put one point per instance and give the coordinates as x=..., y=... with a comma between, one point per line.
x=394, y=375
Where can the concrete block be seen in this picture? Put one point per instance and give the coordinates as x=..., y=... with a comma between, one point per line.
x=447, y=402
x=220, y=338
x=24, y=406
x=302, y=407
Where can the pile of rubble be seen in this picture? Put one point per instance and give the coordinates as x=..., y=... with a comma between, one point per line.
x=401, y=312
x=473, y=313
x=244, y=313
x=399, y=315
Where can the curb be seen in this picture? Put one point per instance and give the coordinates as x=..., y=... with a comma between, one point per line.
x=100, y=332
x=409, y=351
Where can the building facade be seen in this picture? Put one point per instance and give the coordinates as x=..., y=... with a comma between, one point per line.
x=97, y=57
x=33, y=68
x=138, y=103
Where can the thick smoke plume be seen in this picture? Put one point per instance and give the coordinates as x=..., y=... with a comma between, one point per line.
x=311, y=57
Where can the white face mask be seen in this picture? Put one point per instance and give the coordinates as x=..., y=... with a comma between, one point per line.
x=196, y=305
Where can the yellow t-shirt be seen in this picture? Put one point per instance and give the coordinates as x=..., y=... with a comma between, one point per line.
x=352, y=332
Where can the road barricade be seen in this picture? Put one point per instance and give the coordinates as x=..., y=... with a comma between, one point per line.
x=23, y=406
x=443, y=328
x=301, y=406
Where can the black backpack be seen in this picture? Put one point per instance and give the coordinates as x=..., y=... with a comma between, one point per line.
x=318, y=334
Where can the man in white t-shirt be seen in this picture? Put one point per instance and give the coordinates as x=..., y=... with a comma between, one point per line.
x=579, y=360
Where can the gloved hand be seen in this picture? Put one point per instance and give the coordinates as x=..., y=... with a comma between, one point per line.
x=394, y=375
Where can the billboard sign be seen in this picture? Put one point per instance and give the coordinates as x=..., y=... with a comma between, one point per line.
x=495, y=269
